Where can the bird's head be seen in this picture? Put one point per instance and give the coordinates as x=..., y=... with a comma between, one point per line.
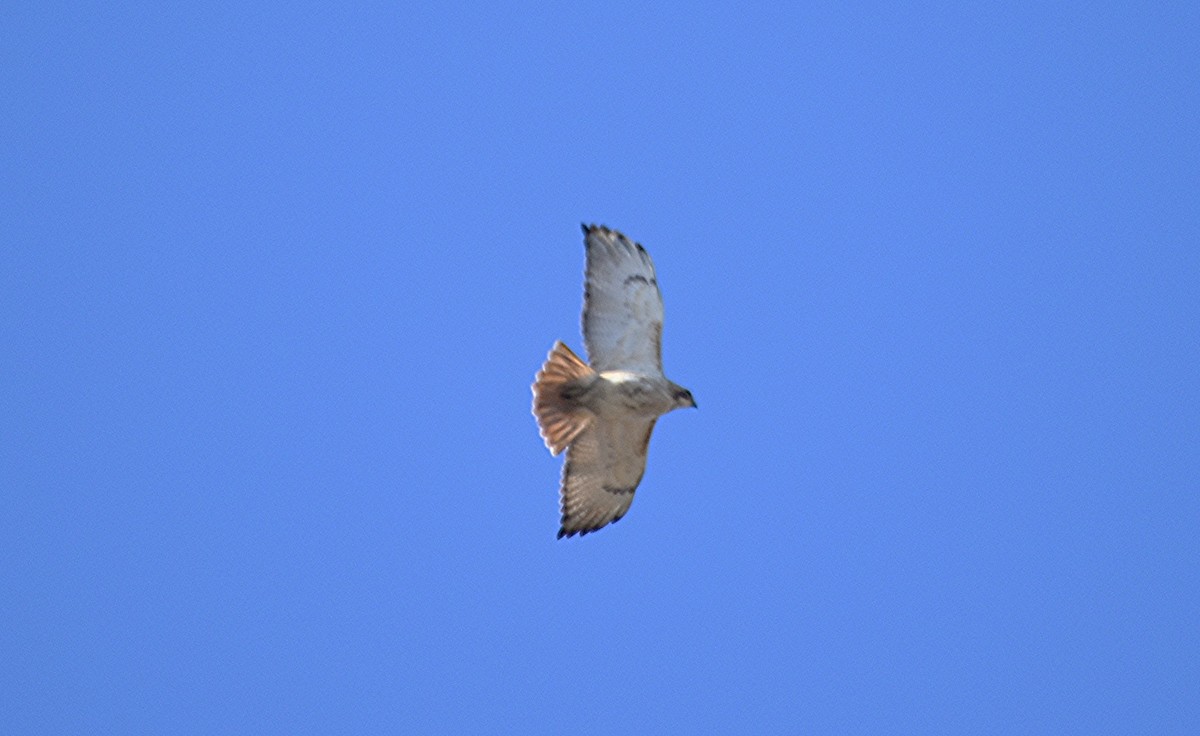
x=682, y=397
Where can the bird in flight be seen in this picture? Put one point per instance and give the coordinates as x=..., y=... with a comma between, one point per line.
x=602, y=414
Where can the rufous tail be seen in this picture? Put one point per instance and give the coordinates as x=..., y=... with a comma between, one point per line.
x=555, y=398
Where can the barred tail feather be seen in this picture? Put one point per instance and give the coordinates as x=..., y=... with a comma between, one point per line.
x=560, y=419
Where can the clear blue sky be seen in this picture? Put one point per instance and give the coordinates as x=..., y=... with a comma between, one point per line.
x=274, y=281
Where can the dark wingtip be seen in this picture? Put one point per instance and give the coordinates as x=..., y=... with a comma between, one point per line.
x=586, y=227
x=562, y=532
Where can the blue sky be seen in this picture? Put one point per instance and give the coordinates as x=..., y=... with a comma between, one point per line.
x=275, y=278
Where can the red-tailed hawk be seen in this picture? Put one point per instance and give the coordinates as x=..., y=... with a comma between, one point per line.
x=603, y=414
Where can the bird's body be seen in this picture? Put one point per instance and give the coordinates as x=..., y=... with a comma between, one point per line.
x=603, y=413
x=620, y=394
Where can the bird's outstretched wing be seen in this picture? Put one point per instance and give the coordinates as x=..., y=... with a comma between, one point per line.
x=604, y=466
x=622, y=306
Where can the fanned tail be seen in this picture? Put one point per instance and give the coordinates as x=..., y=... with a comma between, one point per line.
x=560, y=417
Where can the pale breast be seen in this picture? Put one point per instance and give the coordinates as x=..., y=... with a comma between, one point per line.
x=623, y=394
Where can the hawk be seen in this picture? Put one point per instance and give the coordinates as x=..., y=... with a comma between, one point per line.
x=602, y=414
